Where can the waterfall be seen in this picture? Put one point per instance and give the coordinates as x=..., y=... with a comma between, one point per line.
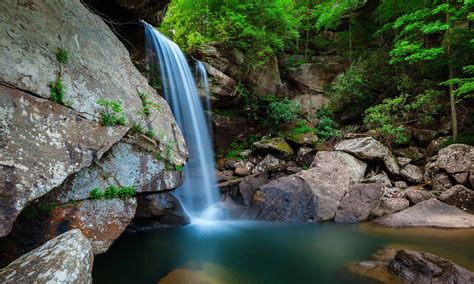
x=201, y=73
x=199, y=192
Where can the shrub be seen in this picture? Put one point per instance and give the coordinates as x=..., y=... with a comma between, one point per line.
x=301, y=127
x=111, y=192
x=147, y=105
x=327, y=128
x=281, y=112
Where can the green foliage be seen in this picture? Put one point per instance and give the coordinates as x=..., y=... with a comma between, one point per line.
x=467, y=139
x=111, y=192
x=112, y=113
x=150, y=134
x=301, y=127
x=178, y=168
x=257, y=28
x=329, y=13
x=281, y=112
x=62, y=55
x=464, y=85
x=137, y=128
x=235, y=148
x=57, y=90
x=327, y=128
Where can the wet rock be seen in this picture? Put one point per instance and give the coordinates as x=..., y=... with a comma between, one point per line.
x=459, y=196
x=65, y=259
x=376, y=267
x=152, y=11
x=288, y=199
x=412, y=173
x=416, y=194
x=391, y=205
x=315, y=77
x=156, y=211
x=367, y=148
x=414, y=153
x=359, y=202
x=249, y=186
x=429, y=213
x=275, y=146
x=441, y=182
x=329, y=178
x=305, y=156
x=422, y=267
x=456, y=158
x=268, y=163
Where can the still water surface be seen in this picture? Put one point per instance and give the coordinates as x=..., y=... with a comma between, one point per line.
x=258, y=252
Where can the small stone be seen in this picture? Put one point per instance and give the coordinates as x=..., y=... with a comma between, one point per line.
x=401, y=184
x=402, y=161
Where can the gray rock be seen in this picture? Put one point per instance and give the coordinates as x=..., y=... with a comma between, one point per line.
x=412, y=173
x=305, y=156
x=367, y=148
x=159, y=211
x=416, y=194
x=422, y=267
x=316, y=76
x=456, y=158
x=462, y=178
x=288, y=199
x=441, y=182
x=459, y=196
x=394, y=192
x=414, y=153
x=249, y=186
x=65, y=259
x=429, y=213
x=268, y=163
x=380, y=178
x=220, y=85
x=266, y=78
x=391, y=205
x=359, y=202
x=402, y=161
x=401, y=184
x=329, y=178
x=310, y=103
x=277, y=146
x=243, y=169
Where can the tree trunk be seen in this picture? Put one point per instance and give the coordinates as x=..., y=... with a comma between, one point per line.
x=452, y=99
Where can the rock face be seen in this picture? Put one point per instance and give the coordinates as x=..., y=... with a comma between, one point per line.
x=329, y=179
x=288, y=199
x=66, y=259
x=314, y=77
x=367, y=148
x=430, y=213
x=152, y=11
x=422, y=267
x=46, y=145
x=266, y=79
x=359, y=202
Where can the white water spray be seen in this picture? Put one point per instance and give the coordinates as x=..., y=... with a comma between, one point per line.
x=199, y=191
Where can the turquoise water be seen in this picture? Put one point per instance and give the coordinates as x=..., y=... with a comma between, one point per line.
x=258, y=252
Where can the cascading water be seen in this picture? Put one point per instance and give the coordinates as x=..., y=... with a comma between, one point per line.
x=199, y=192
x=204, y=82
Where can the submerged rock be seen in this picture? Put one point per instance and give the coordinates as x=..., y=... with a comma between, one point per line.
x=421, y=267
x=429, y=213
x=359, y=202
x=65, y=259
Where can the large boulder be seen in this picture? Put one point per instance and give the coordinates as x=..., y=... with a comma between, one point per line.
x=456, y=158
x=391, y=205
x=459, y=196
x=429, y=213
x=65, y=259
x=316, y=76
x=422, y=267
x=288, y=199
x=359, y=202
x=249, y=186
x=266, y=79
x=329, y=178
x=43, y=142
x=367, y=148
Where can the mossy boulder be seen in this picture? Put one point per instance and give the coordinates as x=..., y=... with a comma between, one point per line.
x=276, y=146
